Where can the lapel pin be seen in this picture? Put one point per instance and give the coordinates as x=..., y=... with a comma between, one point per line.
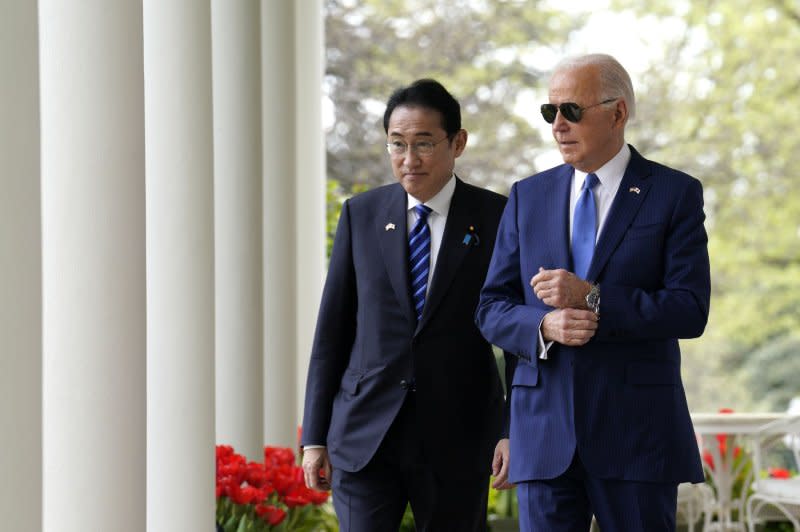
x=389, y=227
x=471, y=238
x=634, y=189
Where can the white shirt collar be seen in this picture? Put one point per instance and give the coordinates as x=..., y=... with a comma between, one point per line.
x=611, y=173
x=440, y=203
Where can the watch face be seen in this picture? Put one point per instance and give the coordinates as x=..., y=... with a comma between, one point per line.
x=593, y=298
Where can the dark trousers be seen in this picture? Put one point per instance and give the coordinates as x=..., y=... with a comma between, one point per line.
x=567, y=502
x=374, y=499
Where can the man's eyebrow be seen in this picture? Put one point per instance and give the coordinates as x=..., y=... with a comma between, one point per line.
x=418, y=134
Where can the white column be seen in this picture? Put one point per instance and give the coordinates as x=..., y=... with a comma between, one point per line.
x=279, y=223
x=237, y=225
x=180, y=272
x=20, y=271
x=294, y=205
x=93, y=266
x=311, y=180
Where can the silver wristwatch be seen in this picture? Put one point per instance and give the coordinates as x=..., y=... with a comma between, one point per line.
x=593, y=299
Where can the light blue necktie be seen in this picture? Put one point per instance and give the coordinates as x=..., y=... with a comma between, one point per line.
x=584, y=228
x=419, y=258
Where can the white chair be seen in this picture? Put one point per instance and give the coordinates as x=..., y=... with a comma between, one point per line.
x=694, y=503
x=773, y=498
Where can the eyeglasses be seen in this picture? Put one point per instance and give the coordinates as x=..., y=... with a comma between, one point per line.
x=422, y=148
x=569, y=110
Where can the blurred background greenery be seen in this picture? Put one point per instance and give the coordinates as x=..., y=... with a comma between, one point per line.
x=717, y=96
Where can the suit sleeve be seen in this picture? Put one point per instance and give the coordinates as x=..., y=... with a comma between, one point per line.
x=679, y=307
x=502, y=315
x=334, y=336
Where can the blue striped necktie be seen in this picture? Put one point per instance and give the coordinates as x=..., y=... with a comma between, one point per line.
x=419, y=258
x=584, y=228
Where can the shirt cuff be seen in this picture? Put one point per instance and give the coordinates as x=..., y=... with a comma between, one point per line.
x=542, y=346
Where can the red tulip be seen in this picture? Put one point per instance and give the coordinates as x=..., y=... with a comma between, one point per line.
x=271, y=514
x=779, y=472
x=279, y=481
x=708, y=459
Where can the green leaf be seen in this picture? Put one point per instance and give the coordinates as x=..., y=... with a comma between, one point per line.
x=232, y=524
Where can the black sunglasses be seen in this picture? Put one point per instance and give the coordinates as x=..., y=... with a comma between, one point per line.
x=569, y=110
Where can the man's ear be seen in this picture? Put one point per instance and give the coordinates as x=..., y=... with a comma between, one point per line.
x=621, y=112
x=460, y=141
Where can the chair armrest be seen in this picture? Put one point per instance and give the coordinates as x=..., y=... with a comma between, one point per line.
x=769, y=434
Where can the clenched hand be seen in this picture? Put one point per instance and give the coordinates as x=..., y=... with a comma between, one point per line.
x=317, y=468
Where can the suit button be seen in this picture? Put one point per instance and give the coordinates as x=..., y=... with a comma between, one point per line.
x=408, y=384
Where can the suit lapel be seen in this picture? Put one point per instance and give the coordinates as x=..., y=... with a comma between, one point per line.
x=555, y=203
x=392, y=232
x=630, y=197
x=453, y=250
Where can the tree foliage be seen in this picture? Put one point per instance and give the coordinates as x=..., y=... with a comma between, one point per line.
x=772, y=372
x=481, y=51
x=726, y=107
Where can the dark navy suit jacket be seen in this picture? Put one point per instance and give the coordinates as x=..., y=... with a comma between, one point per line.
x=619, y=399
x=367, y=342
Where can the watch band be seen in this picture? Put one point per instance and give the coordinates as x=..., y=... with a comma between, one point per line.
x=593, y=299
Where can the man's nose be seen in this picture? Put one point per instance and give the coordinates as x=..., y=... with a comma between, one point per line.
x=560, y=122
x=410, y=157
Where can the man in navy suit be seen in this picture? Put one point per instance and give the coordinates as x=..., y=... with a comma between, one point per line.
x=599, y=421
x=403, y=398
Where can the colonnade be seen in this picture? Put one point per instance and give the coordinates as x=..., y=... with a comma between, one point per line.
x=162, y=188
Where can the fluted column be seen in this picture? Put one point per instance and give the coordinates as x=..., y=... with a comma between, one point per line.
x=93, y=265
x=20, y=270
x=294, y=205
x=237, y=225
x=279, y=226
x=311, y=180
x=180, y=266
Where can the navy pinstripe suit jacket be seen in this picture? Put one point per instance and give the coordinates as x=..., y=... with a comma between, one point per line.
x=619, y=399
x=368, y=341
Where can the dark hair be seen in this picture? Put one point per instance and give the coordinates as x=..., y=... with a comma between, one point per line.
x=430, y=94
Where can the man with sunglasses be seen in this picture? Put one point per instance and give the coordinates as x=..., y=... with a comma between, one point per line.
x=403, y=399
x=599, y=267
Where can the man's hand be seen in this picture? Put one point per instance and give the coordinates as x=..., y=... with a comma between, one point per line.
x=317, y=468
x=560, y=288
x=500, y=465
x=569, y=326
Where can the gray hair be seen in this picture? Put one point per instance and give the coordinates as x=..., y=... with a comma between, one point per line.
x=614, y=79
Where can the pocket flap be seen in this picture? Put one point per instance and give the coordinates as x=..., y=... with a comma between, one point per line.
x=525, y=374
x=350, y=383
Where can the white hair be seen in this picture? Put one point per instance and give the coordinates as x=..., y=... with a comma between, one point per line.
x=614, y=79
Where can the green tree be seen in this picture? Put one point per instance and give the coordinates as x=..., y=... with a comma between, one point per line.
x=772, y=372
x=724, y=105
